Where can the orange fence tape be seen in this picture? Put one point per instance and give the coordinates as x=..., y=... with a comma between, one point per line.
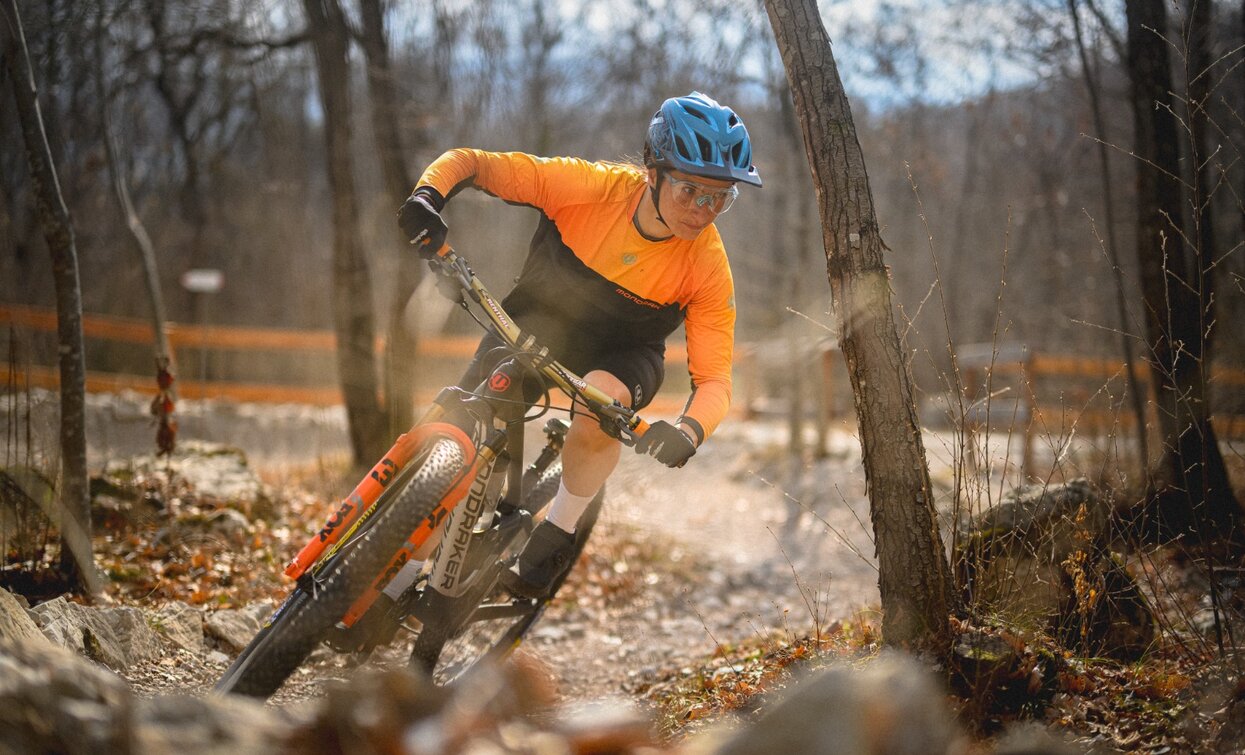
x=1104, y=369
x=134, y=330
x=138, y=331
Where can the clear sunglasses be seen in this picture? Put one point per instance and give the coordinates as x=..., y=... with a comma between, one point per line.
x=689, y=194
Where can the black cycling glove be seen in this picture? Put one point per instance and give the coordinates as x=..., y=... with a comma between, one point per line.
x=422, y=224
x=666, y=443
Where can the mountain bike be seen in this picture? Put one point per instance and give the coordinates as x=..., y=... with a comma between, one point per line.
x=457, y=474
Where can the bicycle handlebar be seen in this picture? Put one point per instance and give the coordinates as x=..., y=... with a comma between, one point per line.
x=628, y=425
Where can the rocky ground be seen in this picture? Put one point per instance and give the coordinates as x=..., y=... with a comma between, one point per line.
x=683, y=563
x=741, y=547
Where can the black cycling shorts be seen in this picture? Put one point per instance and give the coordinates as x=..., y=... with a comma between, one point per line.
x=640, y=368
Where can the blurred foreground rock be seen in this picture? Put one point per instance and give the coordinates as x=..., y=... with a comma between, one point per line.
x=893, y=706
x=51, y=700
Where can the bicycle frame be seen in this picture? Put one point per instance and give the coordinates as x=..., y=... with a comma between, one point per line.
x=492, y=415
x=616, y=419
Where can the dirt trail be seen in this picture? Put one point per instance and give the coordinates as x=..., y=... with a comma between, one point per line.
x=723, y=510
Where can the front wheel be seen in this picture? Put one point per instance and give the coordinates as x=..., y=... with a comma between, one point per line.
x=499, y=620
x=327, y=591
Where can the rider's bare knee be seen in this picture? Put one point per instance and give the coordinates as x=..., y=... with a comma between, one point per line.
x=584, y=424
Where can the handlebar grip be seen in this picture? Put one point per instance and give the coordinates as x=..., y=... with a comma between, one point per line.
x=444, y=250
x=640, y=428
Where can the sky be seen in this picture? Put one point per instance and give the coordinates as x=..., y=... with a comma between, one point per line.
x=944, y=53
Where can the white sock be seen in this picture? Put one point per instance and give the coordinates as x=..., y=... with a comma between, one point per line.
x=566, y=508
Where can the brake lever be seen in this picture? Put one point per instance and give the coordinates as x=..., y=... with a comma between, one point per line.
x=452, y=281
x=617, y=425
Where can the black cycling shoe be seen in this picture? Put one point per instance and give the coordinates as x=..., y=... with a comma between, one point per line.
x=546, y=557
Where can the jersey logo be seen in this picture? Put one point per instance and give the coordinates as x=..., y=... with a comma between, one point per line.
x=629, y=258
x=637, y=299
x=639, y=394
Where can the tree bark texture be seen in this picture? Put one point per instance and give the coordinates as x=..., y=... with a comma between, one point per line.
x=76, y=559
x=1190, y=485
x=352, y=291
x=401, y=356
x=914, y=576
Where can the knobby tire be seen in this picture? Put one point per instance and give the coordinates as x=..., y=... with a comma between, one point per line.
x=301, y=622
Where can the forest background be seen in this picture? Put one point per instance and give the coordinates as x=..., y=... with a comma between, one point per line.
x=974, y=117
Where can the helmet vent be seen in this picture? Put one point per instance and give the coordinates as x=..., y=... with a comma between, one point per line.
x=706, y=148
x=682, y=147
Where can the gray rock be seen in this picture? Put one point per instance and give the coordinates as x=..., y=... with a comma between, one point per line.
x=230, y=524
x=1038, y=559
x=226, y=725
x=138, y=641
x=894, y=705
x=181, y=624
x=1031, y=738
x=82, y=630
x=53, y=701
x=608, y=725
x=218, y=658
x=212, y=470
x=1011, y=556
x=233, y=627
x=259, y=611
x=15, y=621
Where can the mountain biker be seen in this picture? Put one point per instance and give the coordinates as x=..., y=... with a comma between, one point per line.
x=621, y=256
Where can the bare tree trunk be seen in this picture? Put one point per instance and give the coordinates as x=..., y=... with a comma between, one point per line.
x=1200, y=78
x=401, y=356
x=914, y=576
x=352, y=290
x=1113, y=251
x=162, y=406
x=1190, y=487
x=76, y=559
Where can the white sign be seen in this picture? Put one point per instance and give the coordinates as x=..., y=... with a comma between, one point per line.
x=203, y=280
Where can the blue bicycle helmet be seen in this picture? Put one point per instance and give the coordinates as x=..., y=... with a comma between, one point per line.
x=696, y=135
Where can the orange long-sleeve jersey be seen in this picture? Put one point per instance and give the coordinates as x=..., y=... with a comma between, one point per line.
x=591, y=276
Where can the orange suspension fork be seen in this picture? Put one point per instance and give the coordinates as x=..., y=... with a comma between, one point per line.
x=366, y=493
x=430, y=526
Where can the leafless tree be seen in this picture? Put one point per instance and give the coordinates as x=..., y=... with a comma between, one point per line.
x=1112, y=245
x=352, y=288
x=76, y=560
x=401, y=356
x=914, y=576
x=164, y=369
x=1190, y=487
